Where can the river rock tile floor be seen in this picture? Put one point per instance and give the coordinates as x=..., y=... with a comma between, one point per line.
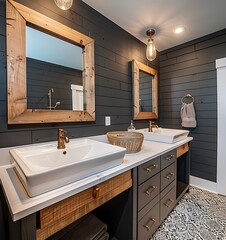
x=199, y=215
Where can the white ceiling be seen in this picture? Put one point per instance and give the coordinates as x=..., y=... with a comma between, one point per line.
x=199, y=17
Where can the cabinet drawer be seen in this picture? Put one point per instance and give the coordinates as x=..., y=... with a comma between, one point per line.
x=149, y=206
x=148, y=190
x=67, y=211
x=148, y=169
x=149, y=223
x=168, y=158
x=167, y=203
x=168, y=175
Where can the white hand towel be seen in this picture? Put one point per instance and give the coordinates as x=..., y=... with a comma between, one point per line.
x=188, y=115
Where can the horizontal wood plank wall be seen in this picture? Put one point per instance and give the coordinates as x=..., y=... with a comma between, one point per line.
x=114, y=49
x=190, y=68
x=42, y=76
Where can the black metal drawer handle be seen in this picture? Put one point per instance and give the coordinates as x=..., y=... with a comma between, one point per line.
x=169, y=175
x=152, y=167
x=150, y=224
x=169, y=202
x=169, y=157
x=150, y=190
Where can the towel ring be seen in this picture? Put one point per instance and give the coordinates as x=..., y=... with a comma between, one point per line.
x=187, y=96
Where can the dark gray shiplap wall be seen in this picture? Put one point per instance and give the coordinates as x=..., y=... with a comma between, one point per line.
x=42, y=76
x=114, y=49
x=190, y=68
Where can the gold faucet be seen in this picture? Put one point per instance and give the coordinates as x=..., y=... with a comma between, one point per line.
x=151, y=126
x=62, y=139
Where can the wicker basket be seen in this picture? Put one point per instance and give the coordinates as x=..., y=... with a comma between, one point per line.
x=132, y=141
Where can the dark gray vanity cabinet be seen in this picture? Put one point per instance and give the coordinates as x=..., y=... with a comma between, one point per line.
x=156, y=192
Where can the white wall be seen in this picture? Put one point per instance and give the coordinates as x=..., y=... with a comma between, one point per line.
x=221, y=125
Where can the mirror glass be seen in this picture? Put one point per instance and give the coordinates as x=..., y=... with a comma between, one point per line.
x=145, y=91
x=54, y=68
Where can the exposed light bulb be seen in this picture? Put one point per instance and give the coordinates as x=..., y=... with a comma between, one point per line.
x=64, y=4
x=150, y=50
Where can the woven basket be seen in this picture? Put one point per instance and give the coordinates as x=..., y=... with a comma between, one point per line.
x=132, y=141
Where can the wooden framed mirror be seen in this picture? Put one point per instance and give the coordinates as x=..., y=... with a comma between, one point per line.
x=145, y=91
x=18, y=17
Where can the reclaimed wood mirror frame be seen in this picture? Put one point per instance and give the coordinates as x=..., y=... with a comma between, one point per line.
x=17, y=17
x=137, y=114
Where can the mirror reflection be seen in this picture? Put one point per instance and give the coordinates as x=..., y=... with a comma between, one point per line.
x=54, y=72
x=19, y=16
x=145, y=91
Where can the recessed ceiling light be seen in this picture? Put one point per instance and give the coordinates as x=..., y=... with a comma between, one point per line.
x=178, y=30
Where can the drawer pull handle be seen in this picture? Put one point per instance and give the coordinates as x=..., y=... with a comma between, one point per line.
x=152, y=167
x=169, y=175
x=96, y=192
x=150, y=190
x=170, y=157
x=168, y=203
x=150, y=224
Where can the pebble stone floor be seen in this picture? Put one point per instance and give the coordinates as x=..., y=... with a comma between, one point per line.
x=199, y=215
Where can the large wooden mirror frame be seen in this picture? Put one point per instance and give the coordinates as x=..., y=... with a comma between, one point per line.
x=17, y=17
x=137, y=114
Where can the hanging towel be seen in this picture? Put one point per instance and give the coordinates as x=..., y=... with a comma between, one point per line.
x=188, y=115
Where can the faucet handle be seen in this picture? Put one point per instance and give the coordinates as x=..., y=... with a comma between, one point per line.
x=67, y=140
x=61, y=133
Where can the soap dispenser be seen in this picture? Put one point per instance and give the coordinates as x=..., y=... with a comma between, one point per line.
x=131, y=128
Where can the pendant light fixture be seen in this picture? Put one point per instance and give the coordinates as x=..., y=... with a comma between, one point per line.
x=151, y=50
x=64, y=4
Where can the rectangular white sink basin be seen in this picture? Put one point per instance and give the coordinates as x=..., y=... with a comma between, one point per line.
x=165, y=135
x=43, y=167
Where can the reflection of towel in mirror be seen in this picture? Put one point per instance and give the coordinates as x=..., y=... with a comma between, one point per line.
x=188, y=115
x=91, y=228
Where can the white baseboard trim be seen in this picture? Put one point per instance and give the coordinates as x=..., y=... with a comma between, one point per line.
x=203, y=184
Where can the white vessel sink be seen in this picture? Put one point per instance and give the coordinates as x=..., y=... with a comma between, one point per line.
x=165, y=135
x=43, y=167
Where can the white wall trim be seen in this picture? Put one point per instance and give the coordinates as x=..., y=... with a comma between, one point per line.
x=220, y=63
x=203, y=184
x=221, y=128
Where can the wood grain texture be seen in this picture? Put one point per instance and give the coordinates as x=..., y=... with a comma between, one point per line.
x=16, y=62
x=137, y=114
x=30, y=116
x=17, y=17
x=60, y=215
x=89, y=73
x=182, y=149
x=51, y=25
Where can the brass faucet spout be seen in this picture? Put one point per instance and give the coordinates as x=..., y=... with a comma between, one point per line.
x=151, y=126
x=62, y=139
